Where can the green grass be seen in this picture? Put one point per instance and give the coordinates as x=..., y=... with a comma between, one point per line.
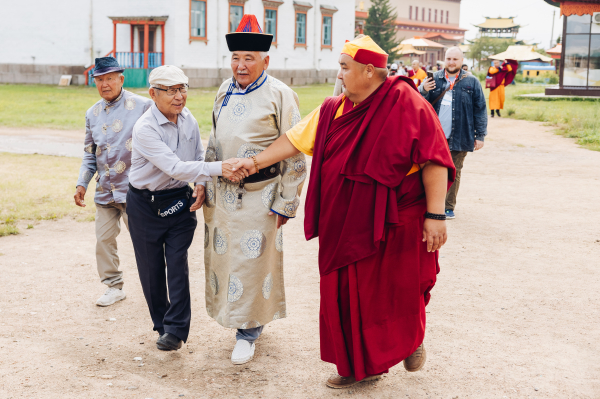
x=312, y=96
x=41, y=106
x=45, y=106
x=572, y=118
x=39, y=187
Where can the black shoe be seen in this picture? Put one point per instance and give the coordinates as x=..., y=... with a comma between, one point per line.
x=492, y=113
x=498, y=112
x=168, y=342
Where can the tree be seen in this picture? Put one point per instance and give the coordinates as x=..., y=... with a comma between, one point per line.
x=542, y=52
x=381, y=26
x=482, y=47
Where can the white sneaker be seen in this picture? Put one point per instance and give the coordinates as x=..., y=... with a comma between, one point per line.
x=243, y=352
x=111, y=296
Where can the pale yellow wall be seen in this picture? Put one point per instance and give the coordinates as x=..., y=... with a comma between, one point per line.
x=402, y=8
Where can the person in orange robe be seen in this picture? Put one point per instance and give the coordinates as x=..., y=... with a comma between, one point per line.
x=419, y=73
x=380, y=171
x=497, y=95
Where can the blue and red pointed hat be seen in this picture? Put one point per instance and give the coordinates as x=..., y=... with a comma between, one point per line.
x=249, y=36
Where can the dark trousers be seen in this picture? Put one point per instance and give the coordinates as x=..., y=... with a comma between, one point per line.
x=161, y=243
x=458, y=157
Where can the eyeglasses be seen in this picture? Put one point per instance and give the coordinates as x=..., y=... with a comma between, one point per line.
x=171, y=91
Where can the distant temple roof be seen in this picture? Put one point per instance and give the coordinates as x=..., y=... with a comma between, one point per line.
x=433, y=35
x=520, y=53
x=361, y=14
x=499, y=23
x=555, y=50
x=407, y=49
x=422, y=42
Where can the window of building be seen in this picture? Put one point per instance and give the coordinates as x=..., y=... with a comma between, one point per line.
x=271, y=23
x=447, y=16
x=198, y=18
x=423, y=13
x=301, y=28
x=430, y=15
x=416, y=13
x=235, y=16
x=326, y=33
x=582, y=53
x=410, y=12
x=436, y=16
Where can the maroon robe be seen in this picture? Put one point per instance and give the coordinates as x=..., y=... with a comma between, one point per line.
x=503, y=76
x=376, y=273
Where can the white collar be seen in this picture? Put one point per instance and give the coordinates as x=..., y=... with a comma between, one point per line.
x=237, y=85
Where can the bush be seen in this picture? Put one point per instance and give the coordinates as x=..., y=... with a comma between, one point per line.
x=544, y=78
x=511, y=111
x=480, y=75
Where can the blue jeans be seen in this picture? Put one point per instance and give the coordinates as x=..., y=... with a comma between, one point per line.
x=249, y=334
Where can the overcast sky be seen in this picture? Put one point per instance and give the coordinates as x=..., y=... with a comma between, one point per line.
x=534, y=16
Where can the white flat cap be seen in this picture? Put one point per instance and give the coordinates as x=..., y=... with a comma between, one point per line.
x=167, y=75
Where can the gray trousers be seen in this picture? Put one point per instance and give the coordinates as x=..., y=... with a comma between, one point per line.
x=458, y=157
x=108, y=227
x=249, y=334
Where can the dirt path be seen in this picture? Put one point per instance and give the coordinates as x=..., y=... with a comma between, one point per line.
x=42, y=141
x=514, y=314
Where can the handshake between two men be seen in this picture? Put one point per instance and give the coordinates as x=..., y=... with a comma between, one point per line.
x=234, y=169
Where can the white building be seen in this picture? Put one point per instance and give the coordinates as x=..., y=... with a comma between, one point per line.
x=64, y=36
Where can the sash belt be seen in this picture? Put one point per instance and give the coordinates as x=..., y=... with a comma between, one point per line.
x=264, y=174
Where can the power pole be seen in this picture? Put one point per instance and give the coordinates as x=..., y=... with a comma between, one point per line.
x=91, y=32
x=552, y=34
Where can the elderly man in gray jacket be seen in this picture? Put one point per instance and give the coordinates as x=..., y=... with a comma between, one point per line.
x=109, y=124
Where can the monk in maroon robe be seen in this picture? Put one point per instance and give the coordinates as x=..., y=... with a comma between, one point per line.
x=381, y=168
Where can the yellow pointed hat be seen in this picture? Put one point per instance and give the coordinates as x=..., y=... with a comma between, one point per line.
x=366, y=51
